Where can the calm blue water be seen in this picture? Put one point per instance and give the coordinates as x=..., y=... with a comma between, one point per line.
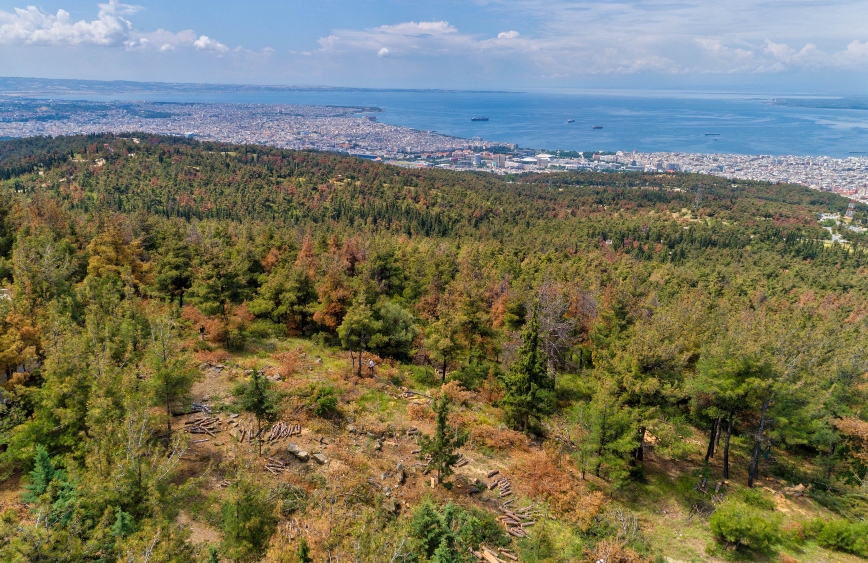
x=643, y=121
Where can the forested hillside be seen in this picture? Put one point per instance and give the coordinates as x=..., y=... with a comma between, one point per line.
x=238, y=353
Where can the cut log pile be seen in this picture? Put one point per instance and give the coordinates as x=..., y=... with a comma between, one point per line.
x=275, y=466
x=204, y=425
x=200, y=408
x=414, y=396
x=283, y=430
x=489, y=555
x=504, y=484
x=462, y=461
x=517, y=521
x=244, y=433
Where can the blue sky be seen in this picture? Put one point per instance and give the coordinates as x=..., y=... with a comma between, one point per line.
x=779, y=45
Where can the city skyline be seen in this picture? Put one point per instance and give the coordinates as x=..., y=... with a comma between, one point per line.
x=787, y=46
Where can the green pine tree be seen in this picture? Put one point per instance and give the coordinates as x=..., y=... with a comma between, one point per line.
x=248, y=520
x=40, y=477
x=528, y=385
x=428, y=528
x=304, y=552
x=444, y=553
x=446, y=440
x=123, y=525
x=259, y=398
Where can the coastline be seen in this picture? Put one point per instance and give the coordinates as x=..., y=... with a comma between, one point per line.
x=346, y=129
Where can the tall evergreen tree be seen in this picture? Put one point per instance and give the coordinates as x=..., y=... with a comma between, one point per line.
x=259, y=398
x=173, y=376
x=441, y=448
x=40, y=477
x=304, y=552
x=529, y=386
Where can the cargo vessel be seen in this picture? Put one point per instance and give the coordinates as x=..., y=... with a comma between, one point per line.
x=478, y=119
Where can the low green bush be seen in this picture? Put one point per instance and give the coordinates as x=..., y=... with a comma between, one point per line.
x=840, y=535
x=324, y=401
x=742, y=527
x=291, y=499
x=447, y=533
x=757, y=498
x=472, y=375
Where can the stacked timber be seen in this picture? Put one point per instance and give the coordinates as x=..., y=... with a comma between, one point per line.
x=489, y=555
x=204, y=425
x=200, y=408
x=517, y=521
x=283, y=430
x=415, y=396
x=246, y=433
x=275, y=466
x=505, y=486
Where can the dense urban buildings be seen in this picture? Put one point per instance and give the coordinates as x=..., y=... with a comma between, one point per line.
x=356, y=130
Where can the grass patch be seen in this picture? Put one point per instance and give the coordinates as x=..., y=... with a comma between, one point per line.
x=375, y=401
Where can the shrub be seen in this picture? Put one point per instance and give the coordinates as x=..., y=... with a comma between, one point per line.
x=456, y=393
x=247, y=520
x=757, y=498
x=841, y=535
x=740, y=526
x=291, y=499
x=453, y=530
x=472, y=375
x=324, y=401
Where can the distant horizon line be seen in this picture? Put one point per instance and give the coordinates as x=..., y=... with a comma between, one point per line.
x=21, y=86
x=186, y=86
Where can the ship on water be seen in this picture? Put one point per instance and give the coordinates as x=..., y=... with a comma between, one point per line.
x=597, y=127
x=478, y=119
x=571, y=120
x=712, y=134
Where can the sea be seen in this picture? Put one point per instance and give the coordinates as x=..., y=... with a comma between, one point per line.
x=603, y=120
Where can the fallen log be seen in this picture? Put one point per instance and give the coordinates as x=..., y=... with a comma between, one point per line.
x=489, y=556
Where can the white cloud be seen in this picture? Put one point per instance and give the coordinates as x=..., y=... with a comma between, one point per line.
x=620, y=37
x=205, y=43
x=439, y=41
x=32, y=26
x=419, y=37
x=857, y=48
x=421, y=29
x=717, y=48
